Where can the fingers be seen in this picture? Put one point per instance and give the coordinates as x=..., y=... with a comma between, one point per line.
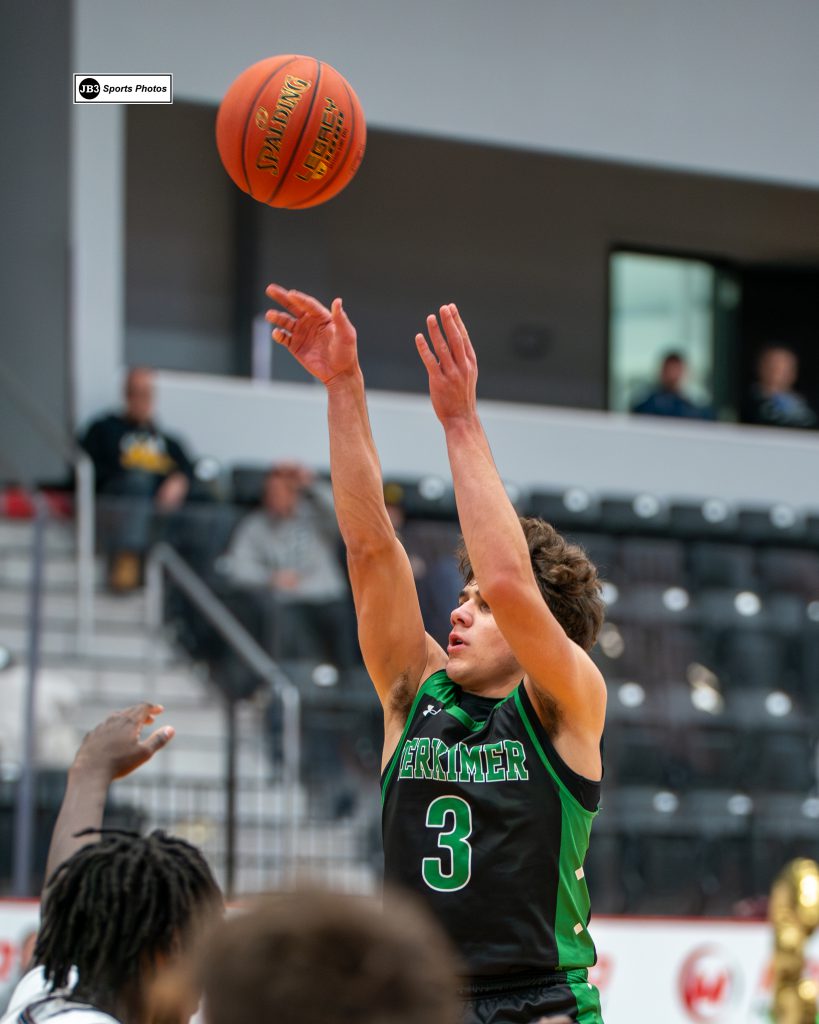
x=307, y=304
x=426, y=353
x=280, y=319
x=438, y=342
x=340, y=318
x=285, y=325
x=284, y=296
x=296, y=302
x=277, y=293
x=453, y=345
x=158, y=739
x=143, y=713
x=456, y=316
x=453, y=332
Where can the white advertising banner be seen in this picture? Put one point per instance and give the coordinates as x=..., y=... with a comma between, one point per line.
x=19, y=920
x=694, y=971
x=649, y=970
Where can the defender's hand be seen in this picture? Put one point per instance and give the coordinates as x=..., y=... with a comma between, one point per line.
x=322, y=340
x=453, y=375
x=114, y=748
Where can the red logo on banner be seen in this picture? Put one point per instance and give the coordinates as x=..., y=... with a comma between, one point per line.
x=600, y=974
x=709, y=984
x=6, y=959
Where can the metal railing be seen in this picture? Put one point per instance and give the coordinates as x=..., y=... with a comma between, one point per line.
x=64, y=445
x=164, y=560
x=60, y=441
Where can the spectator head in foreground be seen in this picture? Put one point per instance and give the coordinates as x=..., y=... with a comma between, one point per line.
x=319, y=957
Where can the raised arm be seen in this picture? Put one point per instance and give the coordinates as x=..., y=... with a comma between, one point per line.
x=397, y=652
x=110, y=751
x=556, y=667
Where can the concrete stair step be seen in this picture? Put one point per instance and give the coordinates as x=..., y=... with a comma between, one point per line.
x=59, y=569
x=182, y=686
x=120, y=646
x=18, y=535
x=63, y=623
x=183, y=787
x=200, y=722
x=60, y=607
x=175, y=798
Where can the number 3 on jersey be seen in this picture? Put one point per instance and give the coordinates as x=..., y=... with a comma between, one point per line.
x=454, y=815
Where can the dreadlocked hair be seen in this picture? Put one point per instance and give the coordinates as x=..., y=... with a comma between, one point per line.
x=117, y=903
x=568, y=581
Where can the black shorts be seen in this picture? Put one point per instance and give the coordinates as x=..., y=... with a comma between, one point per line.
x=526, y=1000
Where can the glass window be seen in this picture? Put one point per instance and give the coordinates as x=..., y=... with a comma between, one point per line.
x=660, y=305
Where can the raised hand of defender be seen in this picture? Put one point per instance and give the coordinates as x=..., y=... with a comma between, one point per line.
x=451, y=365
x=115, y=748
x=322, y=340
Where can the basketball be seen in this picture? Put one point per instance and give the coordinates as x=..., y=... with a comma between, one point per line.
x=290, y=131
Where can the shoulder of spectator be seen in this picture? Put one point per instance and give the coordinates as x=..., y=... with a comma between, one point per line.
x=646, y=403
x=179, y=453
x=98, y=423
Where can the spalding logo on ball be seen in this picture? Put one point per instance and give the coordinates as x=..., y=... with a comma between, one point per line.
x=290, y=131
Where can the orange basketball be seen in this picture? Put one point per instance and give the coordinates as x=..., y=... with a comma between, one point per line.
x=290, y=131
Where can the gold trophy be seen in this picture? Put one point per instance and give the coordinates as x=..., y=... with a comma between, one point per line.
x=794, y=913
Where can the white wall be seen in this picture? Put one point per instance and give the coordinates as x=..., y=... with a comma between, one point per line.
x=240, y=421
x=728, y=87
x=97, y=307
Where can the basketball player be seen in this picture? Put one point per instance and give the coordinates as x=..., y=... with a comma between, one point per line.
x=491, y=765
x=120, y=910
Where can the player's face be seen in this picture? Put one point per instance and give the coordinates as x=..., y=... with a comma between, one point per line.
x=480, y=659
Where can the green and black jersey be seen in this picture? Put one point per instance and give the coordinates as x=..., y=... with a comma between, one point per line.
x=485, y=821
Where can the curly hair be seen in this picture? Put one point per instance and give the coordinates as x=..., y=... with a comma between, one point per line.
x=115, y=902
x=567, y=580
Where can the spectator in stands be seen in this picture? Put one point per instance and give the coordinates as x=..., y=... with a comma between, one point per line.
x=314, y=956
x=119, y=911
x=430, y=546
x=667, y=398
x=287, y=553
x=140, y=470
x=772, y=401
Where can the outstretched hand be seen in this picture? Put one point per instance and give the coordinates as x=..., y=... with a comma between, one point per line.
x=451, y=365
x=114, y=748
x=322, y=340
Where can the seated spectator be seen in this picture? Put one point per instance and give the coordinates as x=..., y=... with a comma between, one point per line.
x=316, y=957
x=134, y=460
x=286, y=553
x=667, y=398
x=772, y=401
x=430, y=546
x=119, y=910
